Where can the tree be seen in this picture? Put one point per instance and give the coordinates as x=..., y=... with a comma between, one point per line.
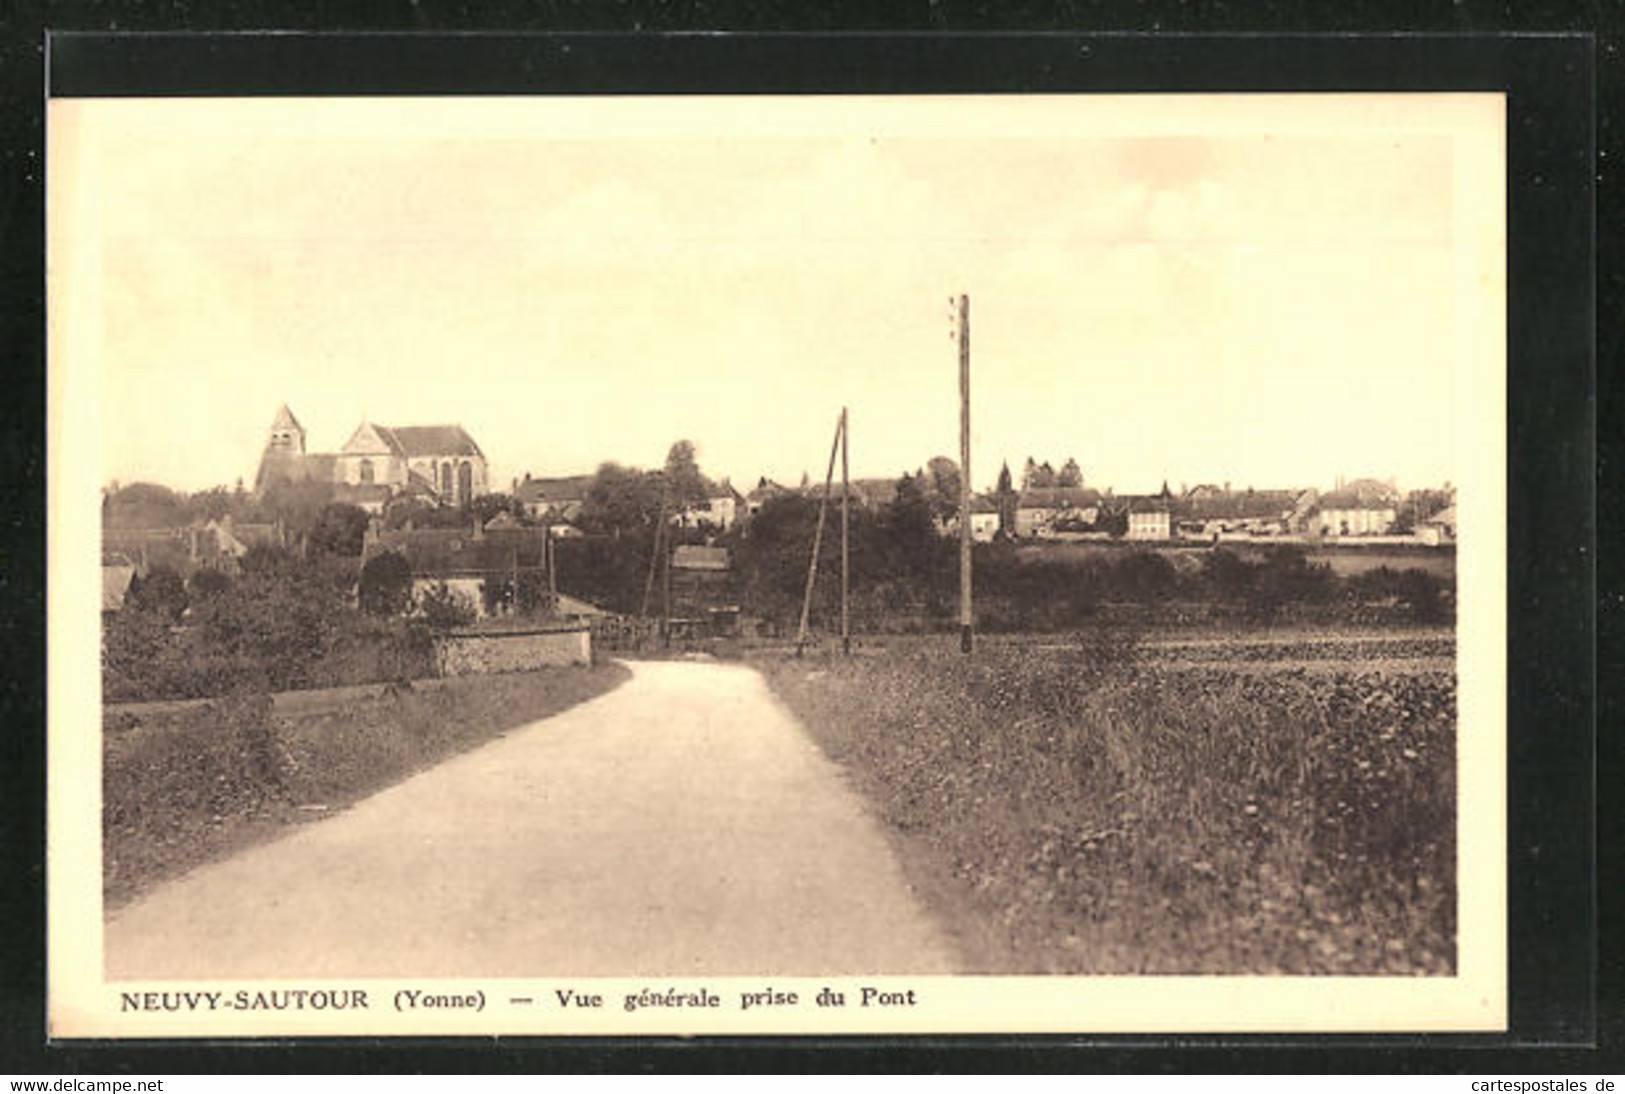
x=941, y=486
x=909, y=530
x=144, y=505
x=1037, y=476
x=161, y=592
x=621, y=500
x=487, y=506
x=684, y=483
x=340, y=529
x=386, y=585
x=1071, y=474
x=1004, y=486
x=297, y=504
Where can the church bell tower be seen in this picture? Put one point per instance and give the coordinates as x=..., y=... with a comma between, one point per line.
x=287, y=435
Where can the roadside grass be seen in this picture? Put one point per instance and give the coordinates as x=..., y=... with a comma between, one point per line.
x=1082, y=811
x=181, y=788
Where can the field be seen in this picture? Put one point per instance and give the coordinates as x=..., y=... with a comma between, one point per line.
x=1345, y=561
x=1260, y=803
x=184, y=784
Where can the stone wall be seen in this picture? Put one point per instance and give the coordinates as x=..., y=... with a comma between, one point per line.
x=470, y=653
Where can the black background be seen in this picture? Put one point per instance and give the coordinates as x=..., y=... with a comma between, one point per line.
x=1562, y=147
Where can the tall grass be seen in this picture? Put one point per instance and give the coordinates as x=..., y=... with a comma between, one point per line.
x=1096, y=816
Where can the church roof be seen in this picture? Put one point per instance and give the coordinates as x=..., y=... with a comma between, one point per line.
x=429, y=440
x=285, y=420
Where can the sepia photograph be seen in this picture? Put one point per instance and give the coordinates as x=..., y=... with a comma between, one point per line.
x=777, y=564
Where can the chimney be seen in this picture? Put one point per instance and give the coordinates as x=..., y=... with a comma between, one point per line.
x=1227, y=486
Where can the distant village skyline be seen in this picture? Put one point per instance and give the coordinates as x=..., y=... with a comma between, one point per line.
x=501, y=479
x=1265, y=290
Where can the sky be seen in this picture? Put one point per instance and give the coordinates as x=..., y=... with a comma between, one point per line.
x=1257, y=290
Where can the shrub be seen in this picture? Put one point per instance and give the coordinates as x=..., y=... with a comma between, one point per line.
x=386, y=585
x=1144, y=576
x=444, y=608
x=1424, y=594
x=161, y=591
x=270, y=630
x=207, y=583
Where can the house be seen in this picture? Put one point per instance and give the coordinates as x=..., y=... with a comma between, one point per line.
x=764, y=491
x=722, y=506
x=1364, y=507
x=1045, y=510
x=1209, y=511
x=1438, y=529
x=867, y=493
x=213, y=545
x=557, y=499
x=438, y=461
x=703, y=594
x=1150, y=518
x=984, y=520
x=464, y=559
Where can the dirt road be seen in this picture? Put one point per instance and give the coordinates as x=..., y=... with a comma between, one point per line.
x=681, y=824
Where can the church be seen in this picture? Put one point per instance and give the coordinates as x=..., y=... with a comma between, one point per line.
x=438, y=462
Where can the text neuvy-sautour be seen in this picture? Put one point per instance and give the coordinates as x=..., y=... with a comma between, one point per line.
x=340, y=999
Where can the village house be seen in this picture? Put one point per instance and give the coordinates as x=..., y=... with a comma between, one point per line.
x=1150, y=518
x=1438, y=529
x=703, y=595
x=552, y=500
x=438, y=462
x=763, y=492
x=722, y=506
x=1045, y=510
x=463, y=559
x=202, y=545
x=868, y=493
x=1364, y=507
x=984, y=520
x=1210, y=511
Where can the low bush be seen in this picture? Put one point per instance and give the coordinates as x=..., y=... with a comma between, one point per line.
x=279, y=626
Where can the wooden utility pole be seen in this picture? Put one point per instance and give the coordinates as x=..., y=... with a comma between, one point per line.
x=846, y=491
x=665, y=592
x=654, y=555
x=818, y=537
x=552, y=576
x=965, y=617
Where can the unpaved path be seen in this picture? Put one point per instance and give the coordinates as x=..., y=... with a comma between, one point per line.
x=683, y=824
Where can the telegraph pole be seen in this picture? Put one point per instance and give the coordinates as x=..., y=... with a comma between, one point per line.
x=552, y=575
x=965, y=617
x=846, y=490
x=654, y=554
x=818, y=535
